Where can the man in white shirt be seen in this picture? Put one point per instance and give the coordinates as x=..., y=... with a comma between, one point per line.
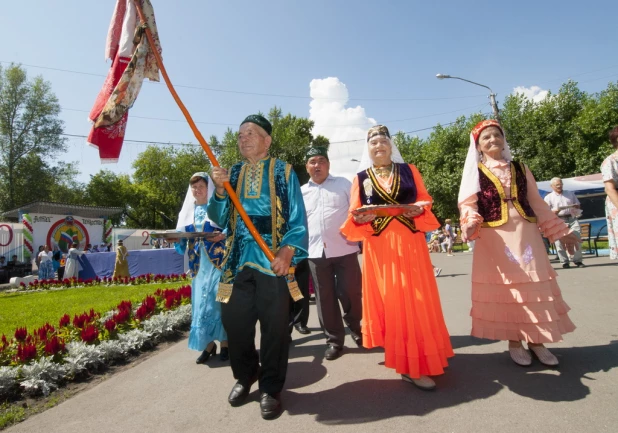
x=333, y=260
x=566, y=206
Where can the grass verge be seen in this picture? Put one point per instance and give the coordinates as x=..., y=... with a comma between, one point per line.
x=34, y=309
x=11, y=414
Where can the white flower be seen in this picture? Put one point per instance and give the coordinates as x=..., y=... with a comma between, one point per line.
x=41, y=376
x=8, y=379
x=135, y=339
x=113, y=350
x=81, y=356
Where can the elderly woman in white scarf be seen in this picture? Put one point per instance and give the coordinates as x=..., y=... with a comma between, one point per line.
x=515, y=296
x=205, y=266
x=401, y=304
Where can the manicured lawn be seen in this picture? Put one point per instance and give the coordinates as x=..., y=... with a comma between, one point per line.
x=35, y=309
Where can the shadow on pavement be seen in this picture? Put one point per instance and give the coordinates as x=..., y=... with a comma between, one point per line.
x=469, y=377
x=460, y=341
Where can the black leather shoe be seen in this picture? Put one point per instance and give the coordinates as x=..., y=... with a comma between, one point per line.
x=302, y=329
x=203, y=358
x=580, y=264
x=358, y=341
x=270, y=405
x=332, y=353
x=240, y=392
x=225, y=354
x=566, y=265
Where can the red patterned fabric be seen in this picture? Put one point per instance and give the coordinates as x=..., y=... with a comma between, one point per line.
x=109, y=139
x=115, y=30
x=476, y=132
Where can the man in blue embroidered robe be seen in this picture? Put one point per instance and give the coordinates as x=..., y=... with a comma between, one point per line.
x=254, y=288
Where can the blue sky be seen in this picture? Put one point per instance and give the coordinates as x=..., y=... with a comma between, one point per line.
x=383, y=54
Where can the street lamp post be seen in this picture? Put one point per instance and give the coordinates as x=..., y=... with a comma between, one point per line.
x=492, y=95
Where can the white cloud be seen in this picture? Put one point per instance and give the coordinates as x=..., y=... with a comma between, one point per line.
x=534, y=93
x=338, y=123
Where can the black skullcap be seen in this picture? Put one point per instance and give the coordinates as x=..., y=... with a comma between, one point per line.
x=316, y=151
x=260, y=121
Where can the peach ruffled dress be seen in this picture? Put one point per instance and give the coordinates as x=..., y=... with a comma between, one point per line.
x=515, y=295
x=401, y=303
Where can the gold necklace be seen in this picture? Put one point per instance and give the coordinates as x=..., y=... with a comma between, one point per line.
x=383, y=172
x=387, y=173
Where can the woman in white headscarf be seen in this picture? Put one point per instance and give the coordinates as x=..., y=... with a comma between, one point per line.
x=401, y=304
x=515, y=296
x=204, y=263
x=72, y=263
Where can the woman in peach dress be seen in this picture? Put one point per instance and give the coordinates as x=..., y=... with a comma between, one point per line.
x=401, y=304
x=515, y=295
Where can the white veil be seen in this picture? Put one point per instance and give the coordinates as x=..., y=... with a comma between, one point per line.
x=186, y=217
x=366, y=162
x=470, y=177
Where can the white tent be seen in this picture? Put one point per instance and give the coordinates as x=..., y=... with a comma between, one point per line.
x=581, y=185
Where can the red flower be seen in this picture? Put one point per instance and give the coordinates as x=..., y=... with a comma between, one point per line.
x=89, y=334
x=26, y=352
x=185, y=292
x=122, y=316
x=44, y=331
x=65, y=320
x=21, y=334
x=125, y=305
x=54, y=345
x=110, y=325
x=80, y=321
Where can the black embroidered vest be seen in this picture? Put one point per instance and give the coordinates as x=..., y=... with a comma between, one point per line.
x=492, y=201
x=403, y=191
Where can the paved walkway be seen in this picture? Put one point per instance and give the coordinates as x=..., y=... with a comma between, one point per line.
x=482, y=391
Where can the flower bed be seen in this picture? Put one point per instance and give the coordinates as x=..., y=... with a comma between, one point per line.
x=105, y=281
x=40, y=361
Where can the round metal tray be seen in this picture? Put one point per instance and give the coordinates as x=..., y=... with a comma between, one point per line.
x=169, y=234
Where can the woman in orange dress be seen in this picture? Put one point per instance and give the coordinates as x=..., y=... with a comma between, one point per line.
x=515, y=296
x=401, y=304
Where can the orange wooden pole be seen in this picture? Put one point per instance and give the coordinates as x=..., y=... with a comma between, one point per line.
x=200, y=138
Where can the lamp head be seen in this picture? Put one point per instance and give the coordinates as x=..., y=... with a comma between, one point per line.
x=442, y=76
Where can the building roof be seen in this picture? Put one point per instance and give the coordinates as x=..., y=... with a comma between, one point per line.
x=47, y=207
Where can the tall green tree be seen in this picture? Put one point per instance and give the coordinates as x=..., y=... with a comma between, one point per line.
x=440, y=159
x=291, y=139
x=29, y=125
x=160, y=183
x=38, y=181
x=107, y=188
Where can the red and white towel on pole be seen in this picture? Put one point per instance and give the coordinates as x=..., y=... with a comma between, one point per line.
x=132, y=61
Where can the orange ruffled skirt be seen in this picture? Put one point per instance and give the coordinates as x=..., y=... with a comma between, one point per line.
x=401, y=303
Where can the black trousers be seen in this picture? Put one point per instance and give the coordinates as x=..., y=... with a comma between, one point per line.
x=257, y=296
x=300, y=309
x=338, y=280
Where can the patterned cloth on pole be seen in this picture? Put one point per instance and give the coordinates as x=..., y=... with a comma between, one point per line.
x=133, y=61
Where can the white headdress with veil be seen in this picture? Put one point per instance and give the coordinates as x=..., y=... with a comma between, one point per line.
x=374, y=131
x=470, y=178
x=186, y=215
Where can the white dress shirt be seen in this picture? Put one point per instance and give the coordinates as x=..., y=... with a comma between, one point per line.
x=555, y=201
x=327, y=209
